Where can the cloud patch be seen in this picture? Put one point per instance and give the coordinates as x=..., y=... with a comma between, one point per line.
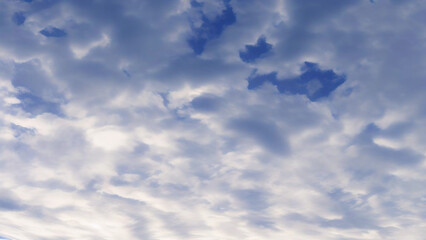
x=121, y=129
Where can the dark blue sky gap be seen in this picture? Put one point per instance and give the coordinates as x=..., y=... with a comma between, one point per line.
x=19, y=130
x=210, y=29
x=53, y=32
x=18, y=18
x=126, y=73
x=253, y=52
x=196, y=4
x=313, y=82
x=36, y=105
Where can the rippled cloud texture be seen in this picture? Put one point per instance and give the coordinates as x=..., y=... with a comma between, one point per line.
x=211, y=119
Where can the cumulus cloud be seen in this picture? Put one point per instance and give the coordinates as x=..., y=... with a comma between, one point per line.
x=276, y=119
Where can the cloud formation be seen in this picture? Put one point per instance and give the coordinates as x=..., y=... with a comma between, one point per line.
x=275, y=119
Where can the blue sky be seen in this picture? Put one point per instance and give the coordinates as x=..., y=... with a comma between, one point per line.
x=211, y=119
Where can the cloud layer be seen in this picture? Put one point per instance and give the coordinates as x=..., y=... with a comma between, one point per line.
x=234, y=119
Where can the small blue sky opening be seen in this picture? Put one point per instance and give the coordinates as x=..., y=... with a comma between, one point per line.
x=196, y=4
x=165, y=98
x=36, y=105
x=256, y=81
x=53, y=32
x=18, y=18
x=19, y=130
x=126, y=73
x=210, y=29
x=313, y=82
x=252, y=52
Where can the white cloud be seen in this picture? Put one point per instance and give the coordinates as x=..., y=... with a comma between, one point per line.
x=109, y=138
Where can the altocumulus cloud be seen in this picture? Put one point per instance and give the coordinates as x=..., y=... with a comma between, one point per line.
x=178, y=119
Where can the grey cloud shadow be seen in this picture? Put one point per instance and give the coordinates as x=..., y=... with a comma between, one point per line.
x=297, y=35
x=10, y=205
x=266, y=134
x=207, y=103
x=9, y=202
x=252, y=199
x=197, y=71
x=203, y=159
x=377, y=156
x=354, y=215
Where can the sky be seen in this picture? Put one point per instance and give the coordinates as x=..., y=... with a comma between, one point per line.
x=212, y=119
